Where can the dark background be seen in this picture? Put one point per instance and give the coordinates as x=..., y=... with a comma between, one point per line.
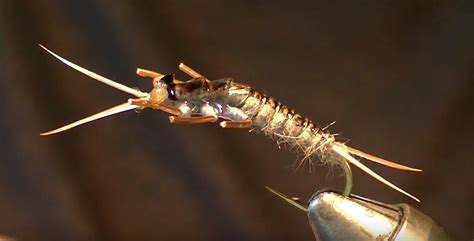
x=398, y=76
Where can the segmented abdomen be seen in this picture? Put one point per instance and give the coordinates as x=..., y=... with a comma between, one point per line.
x=277, y=120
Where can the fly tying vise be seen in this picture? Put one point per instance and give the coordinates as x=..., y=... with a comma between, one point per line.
x=200, y=100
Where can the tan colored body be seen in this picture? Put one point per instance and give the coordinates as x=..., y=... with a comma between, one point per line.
x=200, y=100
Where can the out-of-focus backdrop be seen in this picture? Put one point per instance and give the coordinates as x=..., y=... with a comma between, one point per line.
x=397, y=76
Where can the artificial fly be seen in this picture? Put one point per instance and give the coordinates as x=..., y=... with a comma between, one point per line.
x=200, y=100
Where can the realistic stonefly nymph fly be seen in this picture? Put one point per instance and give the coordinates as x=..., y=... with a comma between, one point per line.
x=237, y=105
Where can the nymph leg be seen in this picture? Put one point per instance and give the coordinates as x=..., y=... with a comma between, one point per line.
x=161, y=106
x=236, y=124
x=148, y=73
x=152, y=74
x=192, y=119
x=191, y=72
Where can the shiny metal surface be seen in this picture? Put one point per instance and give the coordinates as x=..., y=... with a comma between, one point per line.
x=336, y=217
x=6, y=238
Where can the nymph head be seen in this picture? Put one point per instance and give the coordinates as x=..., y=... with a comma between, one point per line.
x=163, y=88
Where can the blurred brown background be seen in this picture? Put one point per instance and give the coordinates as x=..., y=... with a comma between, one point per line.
x=397, y=76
